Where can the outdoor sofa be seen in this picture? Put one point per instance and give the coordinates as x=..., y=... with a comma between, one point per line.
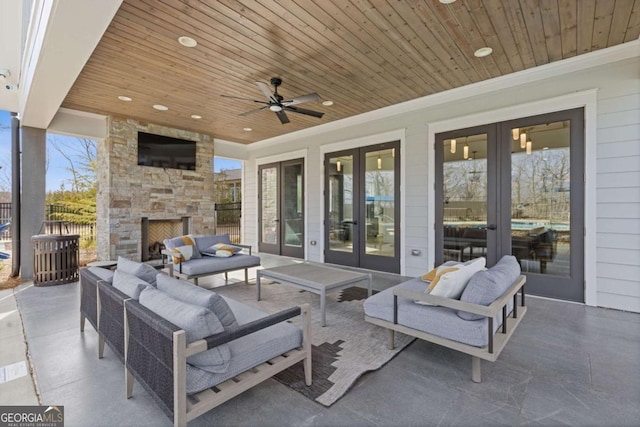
x=173, y=363
x=479, y=323
x=201, y=262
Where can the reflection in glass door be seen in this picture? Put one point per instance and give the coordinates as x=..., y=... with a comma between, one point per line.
x=362, y=207
x=341, y=209
x=464, y=190
x=269, y=212
x=292, y=209
x=380, y=203
x=281, y=205
x=541, y=198
x=516, y=188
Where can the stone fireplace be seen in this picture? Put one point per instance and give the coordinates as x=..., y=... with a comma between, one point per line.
x=128, y=192
x=154, y=231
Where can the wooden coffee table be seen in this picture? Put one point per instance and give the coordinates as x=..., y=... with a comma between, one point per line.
x=314, y=278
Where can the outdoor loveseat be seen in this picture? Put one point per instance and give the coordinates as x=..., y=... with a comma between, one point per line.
x=202, y=263
x=208, y=359
x=472, y=324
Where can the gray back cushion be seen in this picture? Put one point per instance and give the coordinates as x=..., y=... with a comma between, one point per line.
x=190, y=293
x=129, y=284
x=198, y=322
x=102, y=273
x=138, y=269
x=486, y=286
x=205, y=242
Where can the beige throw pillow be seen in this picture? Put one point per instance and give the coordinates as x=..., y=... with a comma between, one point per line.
x=452, y=283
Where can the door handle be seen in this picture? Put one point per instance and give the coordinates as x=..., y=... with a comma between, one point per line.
x=492, y=227
x=350, y=222
x=276, y=220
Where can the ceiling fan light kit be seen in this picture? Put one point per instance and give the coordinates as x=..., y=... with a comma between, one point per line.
x=276, y=102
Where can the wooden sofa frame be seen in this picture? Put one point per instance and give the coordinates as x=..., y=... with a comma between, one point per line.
x=156, y=354
x=168, y=255
x=497, y=341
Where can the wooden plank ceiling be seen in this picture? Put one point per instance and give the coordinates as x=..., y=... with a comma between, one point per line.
x=360, y=54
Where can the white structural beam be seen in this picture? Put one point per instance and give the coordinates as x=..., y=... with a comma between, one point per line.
x=62, y=36
x=11, y=25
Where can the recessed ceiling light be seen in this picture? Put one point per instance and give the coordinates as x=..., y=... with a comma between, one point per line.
x=161, y=107
x=125, y=98
x=187, y=41
x=483, y=51
x=247, y=129
x=196, y=117
x=447, y=1
x=327, y=103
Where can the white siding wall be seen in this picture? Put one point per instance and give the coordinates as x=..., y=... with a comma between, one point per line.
x=618, y=197
x=618, y=171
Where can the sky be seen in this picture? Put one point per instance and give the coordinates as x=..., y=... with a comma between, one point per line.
x=57, y=172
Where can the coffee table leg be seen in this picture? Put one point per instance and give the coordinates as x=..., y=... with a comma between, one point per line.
x=323, y=300
x=258, y=285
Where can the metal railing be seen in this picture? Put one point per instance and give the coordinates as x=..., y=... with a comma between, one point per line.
x=54, y=222
x=229, y=219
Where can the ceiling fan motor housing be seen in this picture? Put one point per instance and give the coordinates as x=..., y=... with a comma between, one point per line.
x=276, y=81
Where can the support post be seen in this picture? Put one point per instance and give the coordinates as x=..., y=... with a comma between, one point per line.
x=15, y=195
x=128, y=376
x=179, y=379
x=391, y=339
x=476, y=375
x=306, y=342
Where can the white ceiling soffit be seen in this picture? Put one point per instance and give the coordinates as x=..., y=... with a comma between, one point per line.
x=62, y=35
x=10, y=51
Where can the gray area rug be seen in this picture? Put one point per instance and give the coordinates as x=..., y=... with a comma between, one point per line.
x=342, y=351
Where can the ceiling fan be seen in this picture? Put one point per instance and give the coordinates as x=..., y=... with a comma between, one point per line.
x=278, y=104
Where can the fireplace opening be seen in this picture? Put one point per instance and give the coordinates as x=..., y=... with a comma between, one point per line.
x=154, y=231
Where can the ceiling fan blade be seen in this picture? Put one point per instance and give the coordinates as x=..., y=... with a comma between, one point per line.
x=300, y=99
x=244, y=99
x=304, y=111
x=267, y=91
x=282, y=116
x=257, y=110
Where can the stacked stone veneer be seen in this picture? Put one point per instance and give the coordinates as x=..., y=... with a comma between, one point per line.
x=127, y=192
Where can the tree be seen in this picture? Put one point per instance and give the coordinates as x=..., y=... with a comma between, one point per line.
x=79, y=202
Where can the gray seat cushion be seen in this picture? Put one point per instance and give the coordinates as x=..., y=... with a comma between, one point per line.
x=198, y=322
x=138, y=269
x=248, y=351
x=190, y=293
x=129, y=284
x=487, y=286
x=441, y=321
x=207, y=265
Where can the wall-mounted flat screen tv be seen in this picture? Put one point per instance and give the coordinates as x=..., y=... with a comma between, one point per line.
x=166, y=152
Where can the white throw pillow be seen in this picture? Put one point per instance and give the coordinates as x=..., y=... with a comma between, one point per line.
x=452, y=284
x=186, y=252
x=222, y=250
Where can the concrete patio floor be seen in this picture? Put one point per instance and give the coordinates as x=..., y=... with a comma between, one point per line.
x=567, y=364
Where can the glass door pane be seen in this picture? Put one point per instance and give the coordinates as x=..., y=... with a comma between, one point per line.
x=269, y=218
x=341, y=220
x=464, y=191
x=379, y=202
x=541, y=198
x=292, y=205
